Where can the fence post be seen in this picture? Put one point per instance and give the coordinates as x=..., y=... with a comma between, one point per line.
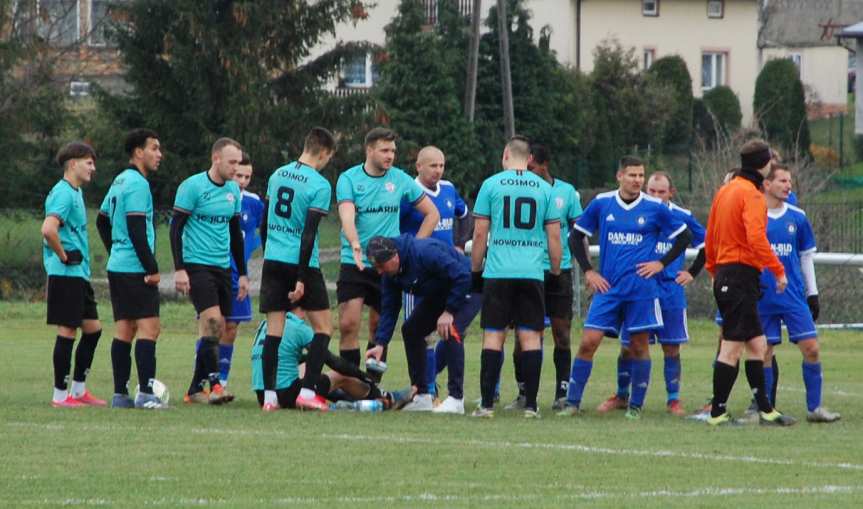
x=841, y=142
x=576, y=283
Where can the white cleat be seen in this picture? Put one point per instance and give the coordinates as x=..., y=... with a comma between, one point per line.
x=821, y=414
x=450, y=405
x=420, y=403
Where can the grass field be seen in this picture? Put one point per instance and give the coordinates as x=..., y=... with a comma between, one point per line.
x=235, y=456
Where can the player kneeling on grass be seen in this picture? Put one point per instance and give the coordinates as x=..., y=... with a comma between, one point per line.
x=296, y=338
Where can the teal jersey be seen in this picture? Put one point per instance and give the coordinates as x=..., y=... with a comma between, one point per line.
x=129, y=195
x=206, y=237
x=293, y=190
x=295, y=338
x=567, y=202
x=518, y=204
x=66, y=203
x=378, y=202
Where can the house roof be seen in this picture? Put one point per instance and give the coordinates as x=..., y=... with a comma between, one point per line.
x=853, y=31
x=808, y=23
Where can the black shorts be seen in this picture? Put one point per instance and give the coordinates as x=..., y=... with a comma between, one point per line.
x=278, y=279
x=517, y=302
x=558, y=304
x=288, y=397
x=210, y=286
x=737, y=290
x=70, y=301
x=131, y=297
x=354, y=283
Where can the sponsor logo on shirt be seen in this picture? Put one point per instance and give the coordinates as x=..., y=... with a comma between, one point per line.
x=212, y=219
x=444, y=225
x=381, y=209
x=293, y=176
x=517, y=243
x=519, y=183
x=782, y=249
x=609, y=217
x=663, y=247
x=628, y=239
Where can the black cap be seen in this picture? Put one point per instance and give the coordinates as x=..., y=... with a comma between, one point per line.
x=381, y=249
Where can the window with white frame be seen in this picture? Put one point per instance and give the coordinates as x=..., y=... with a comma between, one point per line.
x=713, y=69
x=100, y=22
x=79, y=89
x=716, y=9
x=359, y=72
x=648, y=57
x=650, y=7
x=58, y=21
x=797, y=58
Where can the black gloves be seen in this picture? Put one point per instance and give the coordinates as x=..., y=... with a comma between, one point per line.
x=814, y=308
x=74, y=257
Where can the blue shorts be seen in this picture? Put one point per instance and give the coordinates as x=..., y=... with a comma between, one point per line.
x=800, y=326
x=674, y=329
x=610, y=315
x=241, y=310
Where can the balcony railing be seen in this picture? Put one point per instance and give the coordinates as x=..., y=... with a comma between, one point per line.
x=465, y=8
x=349, y=91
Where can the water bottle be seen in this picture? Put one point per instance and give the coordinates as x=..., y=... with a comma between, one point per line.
x=369, y=405
x=343, y=405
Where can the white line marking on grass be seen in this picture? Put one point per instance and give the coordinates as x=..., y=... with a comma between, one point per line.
x=708, y=492
x=413, y=440
x=832, y=392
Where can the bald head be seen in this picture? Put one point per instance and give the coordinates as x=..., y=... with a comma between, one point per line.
x=430, y=166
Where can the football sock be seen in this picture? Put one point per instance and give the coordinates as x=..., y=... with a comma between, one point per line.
x=578, y=381
x=672, y=370
x=812, y=379
x=755, y=376
x=518, y=369
x=84, y=357
x=145, y=360
x=351, y=355
x=226, y=355
x=562, y=362
x=531, y=369
x=489, y=372
x=62, y=361
x=499, y=371
x=318, y=349
x=270, y=360
x=210, y=359
x=624, y=376
x=772, y=390
x=431, y=371
x=724, y=376
x=121, y=362
x=768, y=382
x=198, y=376
x=307, y=393
x=640, y=381
x=455, y=368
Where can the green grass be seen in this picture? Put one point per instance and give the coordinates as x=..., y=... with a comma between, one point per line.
x=236, y=457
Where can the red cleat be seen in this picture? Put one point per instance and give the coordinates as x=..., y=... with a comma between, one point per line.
x=613, y=403
x=317, y=403
x=675, y=408
x=69, y=402
x=90, y=400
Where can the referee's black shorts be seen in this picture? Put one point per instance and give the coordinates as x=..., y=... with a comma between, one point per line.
x=737, y=290
x=70, y=301
x=518, y=302
x=353, y=284
x=131, y=297
x=278, y=279
x=210, y=286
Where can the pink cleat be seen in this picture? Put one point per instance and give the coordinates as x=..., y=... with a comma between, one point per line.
x=90, y=400
x=69, y=402
x=270, y=407
x=317, y=403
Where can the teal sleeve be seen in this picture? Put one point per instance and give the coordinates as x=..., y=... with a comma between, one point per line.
x=344, y=189
x=59, y=204
x=136, y=200
x=413, y=193
x=551, y=213
x=187, y=195
x=482, y=207
x=575, y=209
x=321, y=198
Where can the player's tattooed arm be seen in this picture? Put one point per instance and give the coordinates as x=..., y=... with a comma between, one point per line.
x=103, y=225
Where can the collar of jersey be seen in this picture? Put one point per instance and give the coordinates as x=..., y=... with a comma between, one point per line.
x=779, y=212
x=369, y=175
x=434, y=193
x=207, y=173
x=626, y=206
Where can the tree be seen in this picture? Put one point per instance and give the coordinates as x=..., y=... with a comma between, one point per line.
x=672, y=71
x=780, y=106
x=235, y=68
x=421, y=87
x=723, y=103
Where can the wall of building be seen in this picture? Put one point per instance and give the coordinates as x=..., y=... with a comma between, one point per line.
x=823, y=70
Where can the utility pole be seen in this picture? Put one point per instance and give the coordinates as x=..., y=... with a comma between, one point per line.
x=472, y=62
x=506, y=78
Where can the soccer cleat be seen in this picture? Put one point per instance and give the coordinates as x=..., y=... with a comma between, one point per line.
x=420, y=403
x=398, y=399
x=317, y=403
x=270, y=407
x=122, y=401
x=483, y=413
x=703, y=414
x=530, y=413
x=615, y=402
x=674, y=407
x=516, y=404
x=721, y=420
x=633, y=413
x=569, y=411
x=196, y=398
x=90, y=400
x=775, y=418
x=821, y=414
x=219, y=395
x=149, y=402
x=450, y=405
x=69, y=402
x=558, y=404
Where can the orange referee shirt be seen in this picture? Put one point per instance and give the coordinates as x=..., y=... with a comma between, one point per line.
x=737, y=229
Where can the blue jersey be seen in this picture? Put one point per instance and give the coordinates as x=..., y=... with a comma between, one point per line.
x=251, y=213
x=206, y=237
x=628, y=234
x=518, y=205
x=449, y=204
x=566, y=200
x=129, y=195
x=790, y=236
x=66, y=203
x=673, y=296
